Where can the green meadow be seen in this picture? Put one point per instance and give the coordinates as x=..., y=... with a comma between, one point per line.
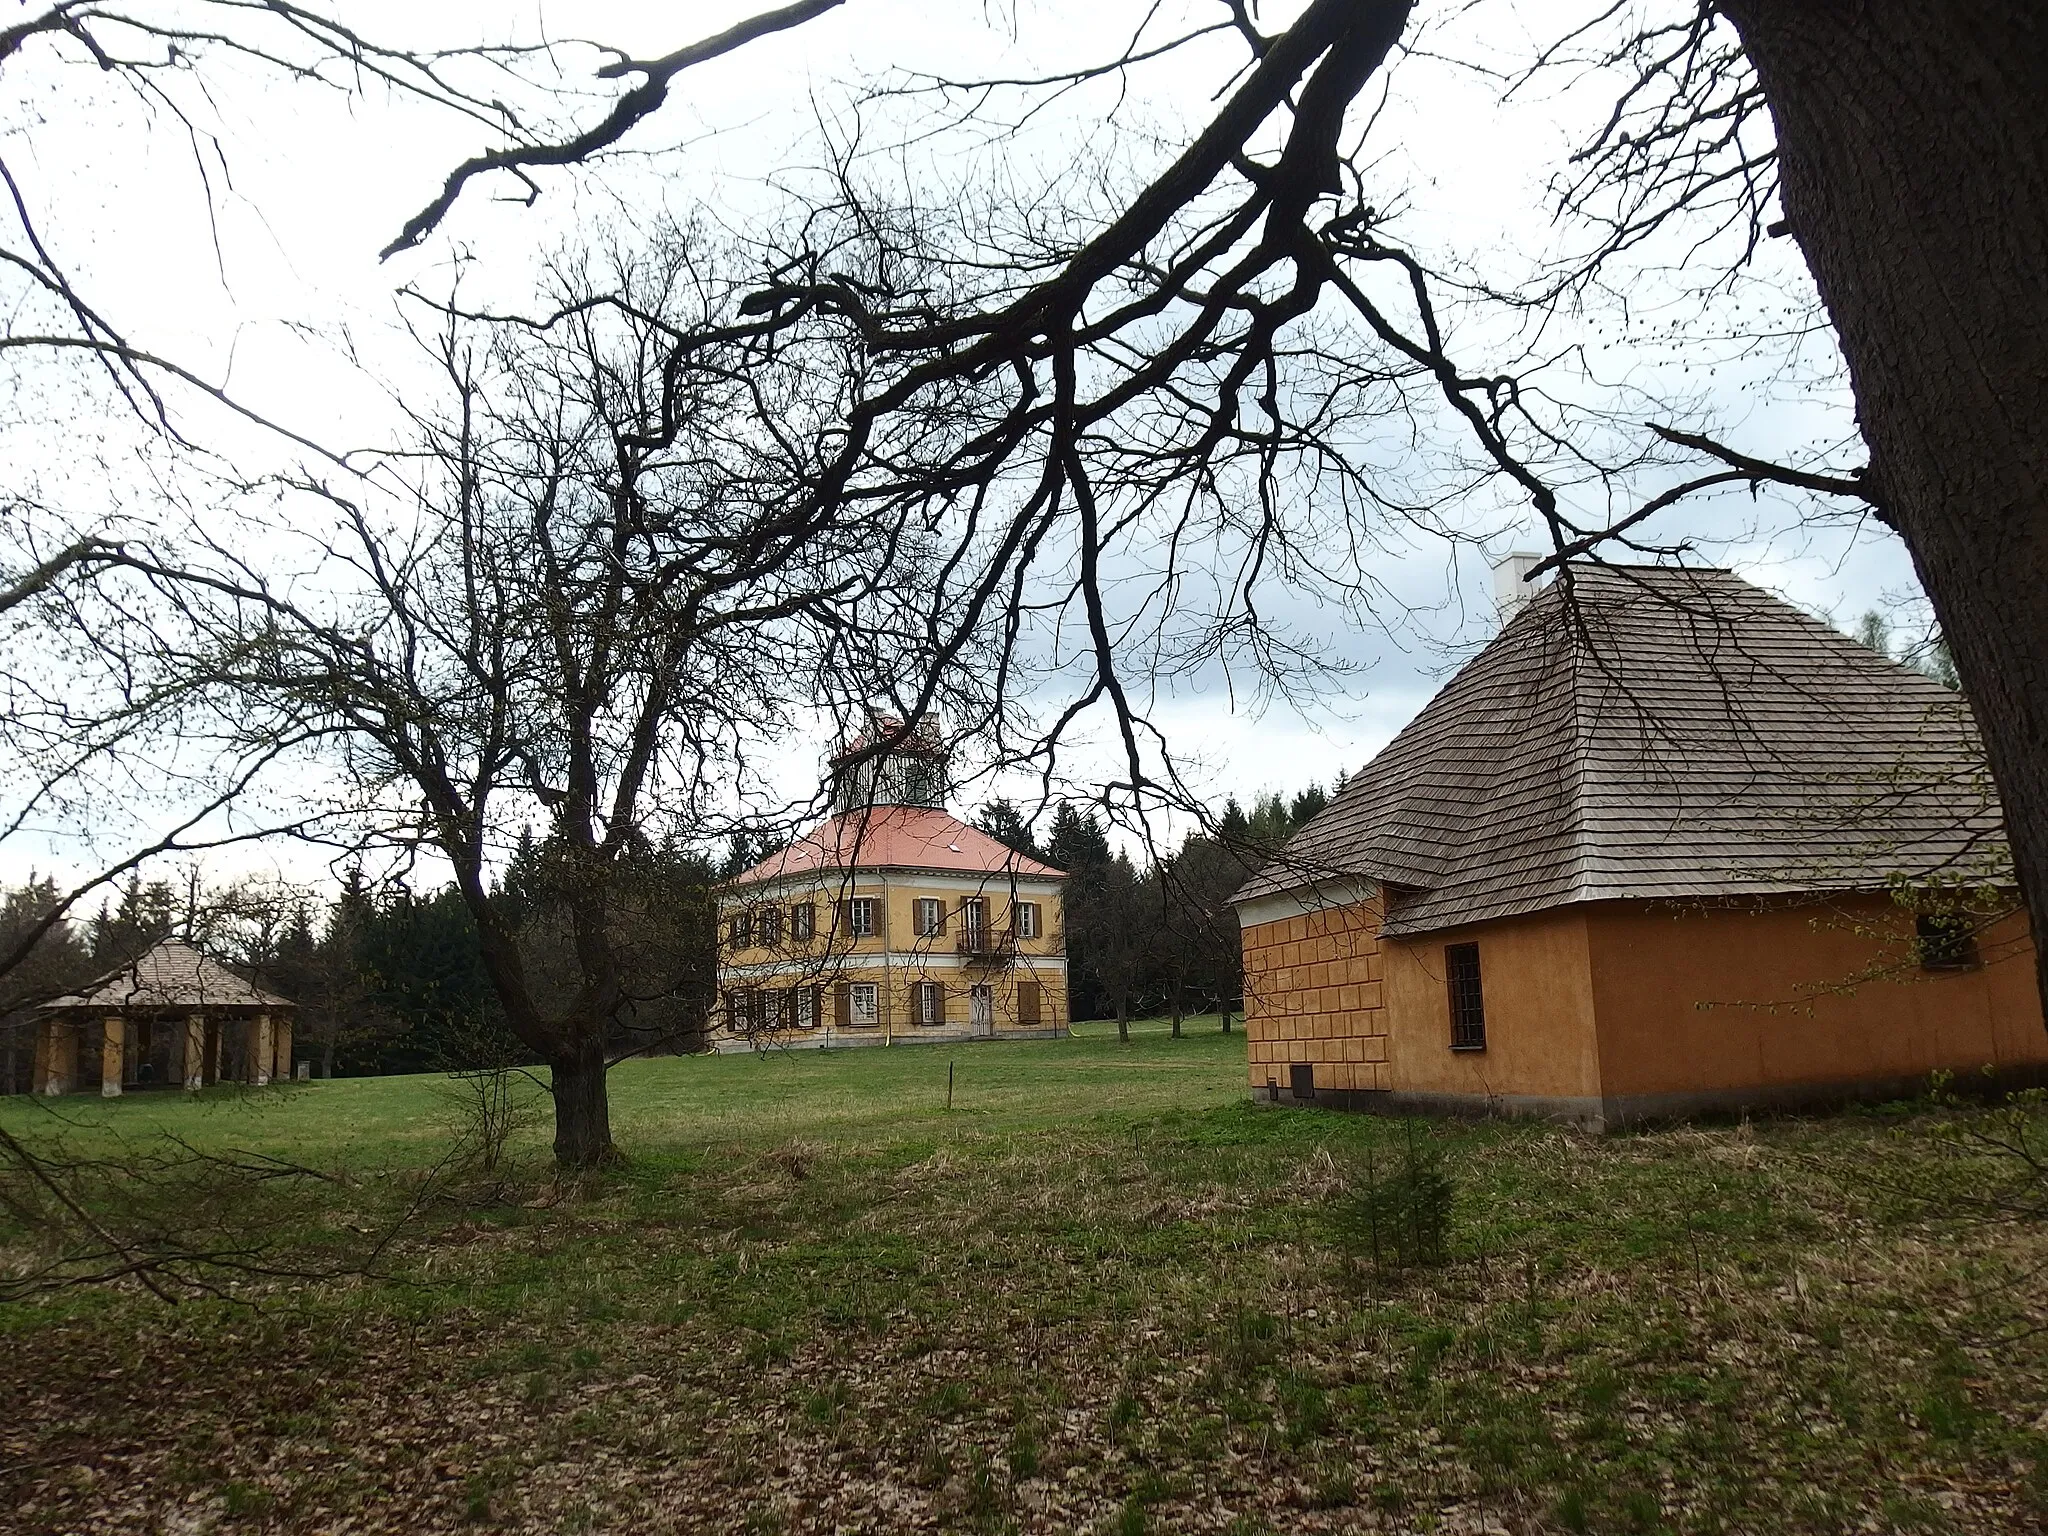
x=1100, y=1292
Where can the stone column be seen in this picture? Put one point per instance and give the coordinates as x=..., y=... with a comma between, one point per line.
x=113, y=1055
x=281, y=1048
x=259, y=1050
x=195, y=1052
x=60, y=1056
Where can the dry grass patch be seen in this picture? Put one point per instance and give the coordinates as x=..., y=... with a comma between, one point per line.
x=1127, y=1319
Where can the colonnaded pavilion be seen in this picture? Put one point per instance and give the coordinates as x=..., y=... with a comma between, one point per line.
x=170, y=1016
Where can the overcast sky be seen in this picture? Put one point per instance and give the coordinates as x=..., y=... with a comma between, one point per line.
x=265, y=276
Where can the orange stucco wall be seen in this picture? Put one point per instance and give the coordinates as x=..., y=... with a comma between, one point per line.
x=1313, y=993
x=1540, y=1043
x=1613, y=1011
x=1700, y=998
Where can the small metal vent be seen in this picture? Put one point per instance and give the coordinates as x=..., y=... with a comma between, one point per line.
x=1301, y=1080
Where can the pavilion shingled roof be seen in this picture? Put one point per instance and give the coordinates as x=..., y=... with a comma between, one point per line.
x=1665, y=733
x=173, y=975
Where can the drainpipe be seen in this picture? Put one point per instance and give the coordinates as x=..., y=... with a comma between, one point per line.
x=882, y=992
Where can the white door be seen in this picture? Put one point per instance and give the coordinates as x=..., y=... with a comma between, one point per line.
x=981, y=1010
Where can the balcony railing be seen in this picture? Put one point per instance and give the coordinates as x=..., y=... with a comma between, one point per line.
x=987, y=943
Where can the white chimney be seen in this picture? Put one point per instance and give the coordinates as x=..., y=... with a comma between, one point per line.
x=1511, y=588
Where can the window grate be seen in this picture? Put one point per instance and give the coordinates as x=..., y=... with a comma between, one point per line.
x=1468, y=999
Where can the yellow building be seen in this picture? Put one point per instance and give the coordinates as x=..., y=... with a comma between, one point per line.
x=893, y=921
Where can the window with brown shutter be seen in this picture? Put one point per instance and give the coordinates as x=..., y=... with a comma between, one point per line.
x=842, y=1005
x=1029, y=1002
x=803, y=922
x=865, y=999
x=768, y=926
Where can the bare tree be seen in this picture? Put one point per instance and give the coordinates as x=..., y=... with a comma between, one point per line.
x=1905, y=143
x=587, y=610
x=183, y=67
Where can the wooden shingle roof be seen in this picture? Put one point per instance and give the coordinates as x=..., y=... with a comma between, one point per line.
x=1661, y=733
x=173, y=975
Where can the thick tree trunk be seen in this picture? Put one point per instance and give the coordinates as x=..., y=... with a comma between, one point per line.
x=1913, y=136
x=1177, y=1012
x=583, y=1116
x=1123, y=1022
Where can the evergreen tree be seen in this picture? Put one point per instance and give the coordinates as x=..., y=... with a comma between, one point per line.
x=1201, y=958
x=426, y=970
x=1306, y=806
x=1121, y=914
x=142, y=918
x=1001, y=820
x=1233, y=826
x=57, y=962
x=1078, y=846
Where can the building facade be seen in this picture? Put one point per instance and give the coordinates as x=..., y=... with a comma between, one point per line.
x=895, y=921
x=1666, y=846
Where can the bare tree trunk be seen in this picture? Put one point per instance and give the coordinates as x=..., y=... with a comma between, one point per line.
x=1178, y=1010
x=1914, y=142
x=583, y=1117
x=1123, y=1020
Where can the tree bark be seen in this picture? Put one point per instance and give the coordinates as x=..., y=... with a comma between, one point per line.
x=1913, y=137
x=583, y=1117
x=1123, y=1022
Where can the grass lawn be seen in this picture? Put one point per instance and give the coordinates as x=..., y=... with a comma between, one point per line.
x=1101, y=1293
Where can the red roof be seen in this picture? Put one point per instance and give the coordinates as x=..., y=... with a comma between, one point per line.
x=897, y=837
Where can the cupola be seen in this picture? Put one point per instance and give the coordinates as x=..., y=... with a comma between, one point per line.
x=912, y=772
